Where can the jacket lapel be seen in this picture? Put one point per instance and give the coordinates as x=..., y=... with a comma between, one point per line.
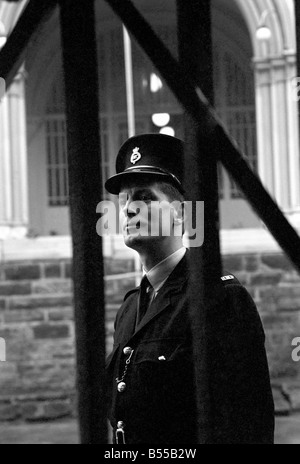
x=172, y=286
x=158, y=305
x=168, y=295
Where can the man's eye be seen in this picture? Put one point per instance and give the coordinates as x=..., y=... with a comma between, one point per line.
x=144, y=198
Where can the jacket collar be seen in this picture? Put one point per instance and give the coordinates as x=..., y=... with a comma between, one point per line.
x=169, y=291
x=169, y=294
x=159, y=274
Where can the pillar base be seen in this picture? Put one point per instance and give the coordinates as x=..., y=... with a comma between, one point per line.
x=294, y=219
x=12, y=232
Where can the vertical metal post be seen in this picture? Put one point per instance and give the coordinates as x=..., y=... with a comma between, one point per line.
x=195, y=53
x=84, y=156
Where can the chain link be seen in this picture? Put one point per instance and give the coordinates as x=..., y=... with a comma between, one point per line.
x=125, y=369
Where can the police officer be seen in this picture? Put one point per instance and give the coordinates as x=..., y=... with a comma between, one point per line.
x=150, y=370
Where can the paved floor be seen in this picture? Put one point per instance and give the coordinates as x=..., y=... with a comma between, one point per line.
x=66, y=432
x=287, y=430
x=48, y=433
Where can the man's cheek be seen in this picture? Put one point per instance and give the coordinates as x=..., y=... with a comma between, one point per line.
x=166, y=219
x=161, y=219
x=154, y=220
x=122, y=222
x=139, y=222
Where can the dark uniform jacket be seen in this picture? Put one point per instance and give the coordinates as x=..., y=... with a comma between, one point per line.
x=158, y=404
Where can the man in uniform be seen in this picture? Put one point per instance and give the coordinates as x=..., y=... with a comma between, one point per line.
x=150, y=371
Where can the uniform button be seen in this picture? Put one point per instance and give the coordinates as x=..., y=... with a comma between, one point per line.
x=121, y=387
x=127, y=350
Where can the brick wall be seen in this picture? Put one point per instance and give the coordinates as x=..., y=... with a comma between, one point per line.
x=36, y=319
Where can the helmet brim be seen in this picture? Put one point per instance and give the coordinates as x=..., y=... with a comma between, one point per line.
x=114, y=184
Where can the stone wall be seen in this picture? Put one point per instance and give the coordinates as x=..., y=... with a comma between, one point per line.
x=36, y=320
x=37, y=381
x=275, y=286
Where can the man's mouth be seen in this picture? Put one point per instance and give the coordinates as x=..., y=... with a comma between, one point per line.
x=132, y=227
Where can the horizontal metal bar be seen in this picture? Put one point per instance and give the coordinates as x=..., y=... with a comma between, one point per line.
x=13, y=53
x=204, y=116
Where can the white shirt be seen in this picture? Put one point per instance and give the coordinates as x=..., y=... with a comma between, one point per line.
x=159, y=274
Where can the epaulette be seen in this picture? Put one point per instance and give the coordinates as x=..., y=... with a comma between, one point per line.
x=230, y=279
x=130, y=292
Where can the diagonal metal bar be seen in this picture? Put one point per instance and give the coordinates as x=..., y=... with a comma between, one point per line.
x=193, y=100
x=13, y=53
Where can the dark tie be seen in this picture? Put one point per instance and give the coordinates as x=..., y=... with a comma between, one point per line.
x=146, y=296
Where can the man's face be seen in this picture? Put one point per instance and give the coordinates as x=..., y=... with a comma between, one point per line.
x=146, y=214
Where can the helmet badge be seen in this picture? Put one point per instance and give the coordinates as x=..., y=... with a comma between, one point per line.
x=136, y=156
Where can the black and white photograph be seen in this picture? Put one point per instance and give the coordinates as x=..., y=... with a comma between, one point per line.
x=150, y=224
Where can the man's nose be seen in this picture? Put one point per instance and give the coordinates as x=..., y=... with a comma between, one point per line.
x=127, y=209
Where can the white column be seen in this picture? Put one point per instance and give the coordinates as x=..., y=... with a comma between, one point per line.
x=278, y=132
x=264, y=123
x=293, y=136
x=5, y=167
x=13, y=162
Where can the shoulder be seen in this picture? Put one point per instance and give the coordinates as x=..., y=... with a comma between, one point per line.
x=230, y=279
x=232, y=286
x=242, y=305
x=133, y=291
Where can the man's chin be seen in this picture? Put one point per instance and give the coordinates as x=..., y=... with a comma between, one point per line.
x=136, y=241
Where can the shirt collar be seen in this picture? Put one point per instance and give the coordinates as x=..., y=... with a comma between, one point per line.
x=158, y=275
